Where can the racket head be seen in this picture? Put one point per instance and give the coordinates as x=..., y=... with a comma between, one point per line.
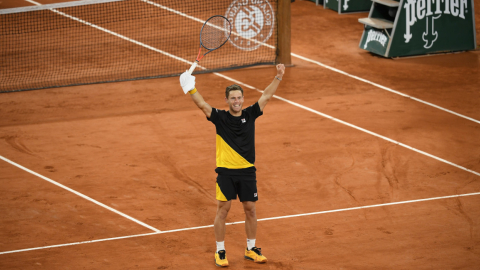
x=215, y=32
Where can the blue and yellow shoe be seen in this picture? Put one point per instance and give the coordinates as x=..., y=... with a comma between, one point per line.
x=255, y=254
x=221, y=258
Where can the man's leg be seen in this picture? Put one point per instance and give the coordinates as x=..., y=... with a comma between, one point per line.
x=250, y=219
x=252, y=252
x=219, y=227
x=219, y=224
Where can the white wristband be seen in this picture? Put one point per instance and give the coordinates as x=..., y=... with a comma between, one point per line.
x=278, y=78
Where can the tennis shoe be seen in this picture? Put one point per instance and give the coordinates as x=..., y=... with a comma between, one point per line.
x=255, y=254
x=221, y=259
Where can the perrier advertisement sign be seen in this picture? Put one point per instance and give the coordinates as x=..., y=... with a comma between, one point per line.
x=432, y=26
x=428, y=26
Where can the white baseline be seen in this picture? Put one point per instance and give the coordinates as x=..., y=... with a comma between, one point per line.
x=240, y=222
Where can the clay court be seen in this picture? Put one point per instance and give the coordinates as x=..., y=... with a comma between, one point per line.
x=363, y=162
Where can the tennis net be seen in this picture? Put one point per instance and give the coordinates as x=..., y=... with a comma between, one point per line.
x=95, y=41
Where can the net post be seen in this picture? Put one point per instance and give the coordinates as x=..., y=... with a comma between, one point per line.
x=284, y=32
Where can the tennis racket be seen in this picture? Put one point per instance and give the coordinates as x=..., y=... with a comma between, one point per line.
x=214, y=33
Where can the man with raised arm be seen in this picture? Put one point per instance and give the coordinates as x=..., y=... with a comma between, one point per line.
x=235, y=155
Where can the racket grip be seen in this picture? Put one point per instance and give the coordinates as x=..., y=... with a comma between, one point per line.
x=192, y=68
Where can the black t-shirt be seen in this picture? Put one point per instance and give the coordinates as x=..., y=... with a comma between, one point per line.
x=235, y=140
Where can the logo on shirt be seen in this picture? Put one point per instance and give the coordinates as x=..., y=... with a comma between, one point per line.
x=255, y=195
x=243, y=120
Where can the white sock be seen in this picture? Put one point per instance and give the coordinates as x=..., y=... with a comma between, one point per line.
x=220, y=246
x=250, y=243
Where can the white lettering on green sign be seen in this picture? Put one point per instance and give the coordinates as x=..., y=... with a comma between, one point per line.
x=375, y=36
x=431, y=9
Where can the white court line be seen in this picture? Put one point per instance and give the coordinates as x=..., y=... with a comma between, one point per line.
x=80, y=194
x=384, y=88
x=240, y=222
x=78, y=243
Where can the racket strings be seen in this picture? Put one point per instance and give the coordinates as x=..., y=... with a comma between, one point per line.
x=215, y=32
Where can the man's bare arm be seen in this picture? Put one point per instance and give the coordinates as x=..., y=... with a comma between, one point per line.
x=272, y=88
x=201, y=104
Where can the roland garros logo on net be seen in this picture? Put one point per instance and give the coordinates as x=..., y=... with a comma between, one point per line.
x=252, y=21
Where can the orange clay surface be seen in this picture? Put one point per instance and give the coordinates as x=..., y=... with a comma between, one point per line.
x=145, y=150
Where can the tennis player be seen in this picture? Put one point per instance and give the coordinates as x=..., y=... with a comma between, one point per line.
x=235, y=156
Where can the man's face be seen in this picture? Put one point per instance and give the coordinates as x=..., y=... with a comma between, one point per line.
x=235, y=101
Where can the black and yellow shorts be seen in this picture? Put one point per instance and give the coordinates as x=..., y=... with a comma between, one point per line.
x=229, y=186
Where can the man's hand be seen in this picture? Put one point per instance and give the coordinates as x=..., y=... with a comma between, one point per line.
x=187, y=81
x=280, y=71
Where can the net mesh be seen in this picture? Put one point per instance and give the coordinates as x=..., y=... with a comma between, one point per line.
x=106, y=41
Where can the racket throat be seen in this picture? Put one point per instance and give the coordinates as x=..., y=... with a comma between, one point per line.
x=199, y=56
